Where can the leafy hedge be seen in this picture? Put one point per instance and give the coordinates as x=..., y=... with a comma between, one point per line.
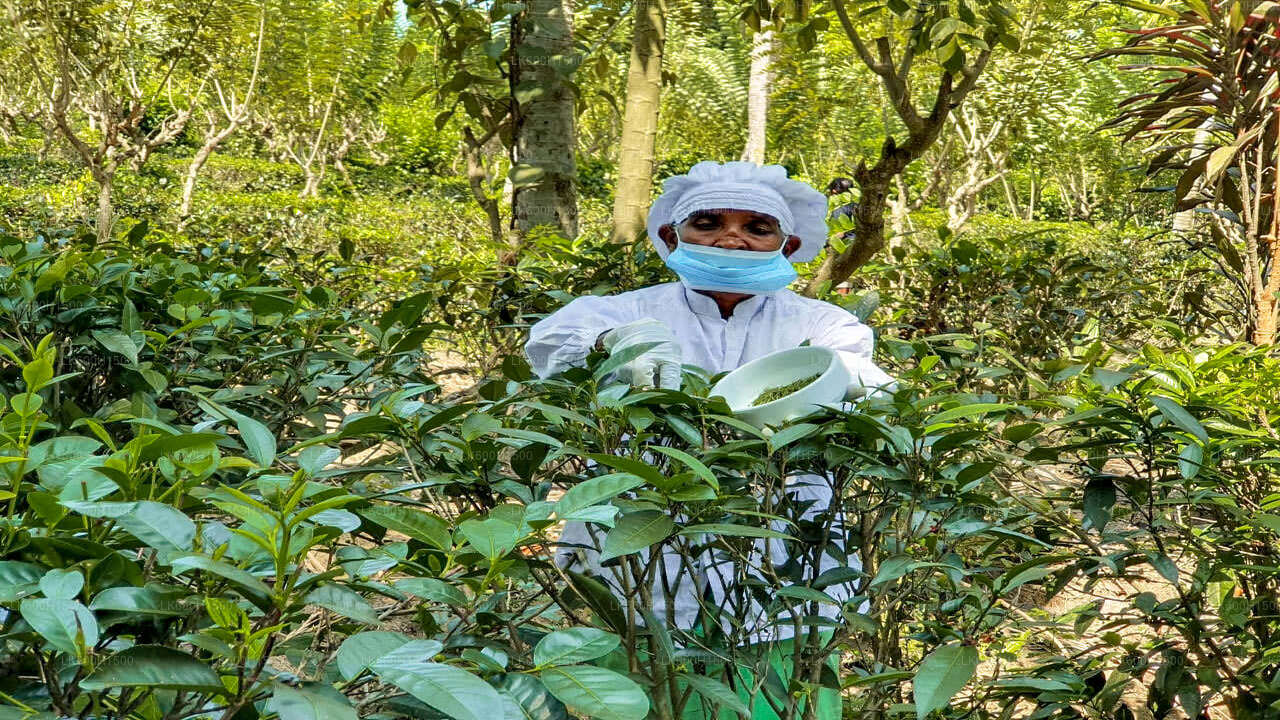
x=231, y=490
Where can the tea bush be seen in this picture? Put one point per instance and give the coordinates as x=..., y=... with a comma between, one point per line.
x=1175, y=457
x=184, y=537
x=233, y=490
x=1045, y=288
x=242, y=200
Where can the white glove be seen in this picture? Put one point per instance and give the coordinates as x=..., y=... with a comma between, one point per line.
x=662, y=361
x=869, y=381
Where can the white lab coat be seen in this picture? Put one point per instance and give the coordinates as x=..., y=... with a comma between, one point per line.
x=759, y=325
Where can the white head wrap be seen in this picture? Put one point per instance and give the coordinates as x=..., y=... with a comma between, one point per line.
x=799, y=209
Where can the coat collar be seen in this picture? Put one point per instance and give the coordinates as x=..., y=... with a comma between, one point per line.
x=702, y=305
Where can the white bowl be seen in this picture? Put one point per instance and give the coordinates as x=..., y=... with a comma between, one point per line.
x=742, y=386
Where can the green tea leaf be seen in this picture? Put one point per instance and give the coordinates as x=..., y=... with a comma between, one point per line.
x=257, y=438
x=636, y=531
x=716, y=693
x=807, y=594
x=433, y=589
x=572, y=646
x=254, y=589
x=942, y=674
x=1099, y=499
x=310, y=701
x=361, y=650
x=26, y=404
x=62, y=584
x=451, y=690
x=139, y=601
x=1190, y=460
x=596, y=490
x=530, y=699
x=346, y=602
x=18, y=579
x=622, y=357
x=153, y=666
x=692, y=462
x=735, y=531
x=1163, y=565
x=898, y=566
x=117, y=342
x=158, y=525
x=596, y=692
x=967, y=411
x=1179, y=416
x=86, y=483
x=790, y=434
x=478, y=424
x=491, y=537
x=651, y=474
x=313, y=460
x=685, y=429
x=60, y=622
x=416, y=524
x=37, y=373
x=1109, y=379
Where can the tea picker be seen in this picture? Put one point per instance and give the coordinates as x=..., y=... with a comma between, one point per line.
x=730, y=232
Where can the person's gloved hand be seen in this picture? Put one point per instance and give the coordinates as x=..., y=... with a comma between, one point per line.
x=857, y=391
x=659, y=365
x=867, y=381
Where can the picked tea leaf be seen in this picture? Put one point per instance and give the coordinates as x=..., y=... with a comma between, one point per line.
x=776, y=393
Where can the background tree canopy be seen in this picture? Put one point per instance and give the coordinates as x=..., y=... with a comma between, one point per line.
x=269, y=447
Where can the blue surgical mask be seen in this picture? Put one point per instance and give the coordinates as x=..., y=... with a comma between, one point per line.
x=703, y=267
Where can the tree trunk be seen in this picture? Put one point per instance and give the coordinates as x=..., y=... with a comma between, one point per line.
x=1264, y=273
x=478, y=181
x=341, y=167
x=982, y=166
x=198, y=161
x=640, y=121
x=236, y=114
x=760, y=82
x=922, y=131
x=873, y=182
x=314, y=176
x=868, y=238
x=1035, y=196
x=901, y=210
x=1010, y=197
x=339, y=154
x=1265, y=331
x=544, y=168
x=106, y=209
x=1263, y=280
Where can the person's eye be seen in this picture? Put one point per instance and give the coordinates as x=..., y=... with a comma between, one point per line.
x=761, y=229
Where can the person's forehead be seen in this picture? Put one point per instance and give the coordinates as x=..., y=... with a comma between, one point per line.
x=725, y=211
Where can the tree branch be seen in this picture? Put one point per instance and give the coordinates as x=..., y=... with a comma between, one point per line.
x=843, y=13
x=897, y=87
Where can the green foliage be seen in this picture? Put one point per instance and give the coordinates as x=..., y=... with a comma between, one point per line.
x=703, y=113
x=229, y=482
x=233, y=488
x=1179, y=478
x=243, y=199
x=1211, y=120
x=1041, y=291
x=415, y=144
x=164, y=333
